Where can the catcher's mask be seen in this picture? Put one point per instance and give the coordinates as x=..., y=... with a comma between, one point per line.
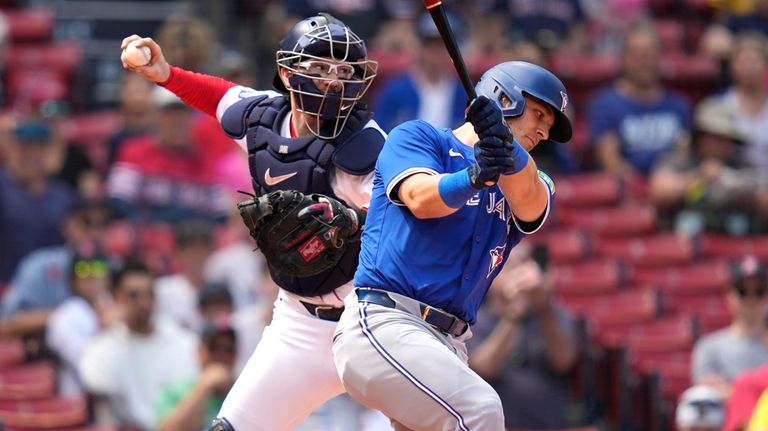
x=329, y=71
x=514, y=79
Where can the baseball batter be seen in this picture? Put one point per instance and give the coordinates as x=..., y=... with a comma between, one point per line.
x=438, y=230
x=312, y=136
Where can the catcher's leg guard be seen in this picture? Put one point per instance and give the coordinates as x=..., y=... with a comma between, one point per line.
x=221, y=424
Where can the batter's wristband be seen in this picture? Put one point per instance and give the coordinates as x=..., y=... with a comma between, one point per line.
x=455, y=189
x=519, y=157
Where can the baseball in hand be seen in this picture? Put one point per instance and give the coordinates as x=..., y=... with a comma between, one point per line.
x=137, y=56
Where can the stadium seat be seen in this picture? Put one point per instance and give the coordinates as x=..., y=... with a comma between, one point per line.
x=607, y=314
x=30, y=381
x=30, y=25
x=701, y=278
x=652, y=250
x=588, y=278
x=630, y=220
x=92, y=130
x=58, y=56
x=11, y=352
x=733, y=247
x=587, y=190
x=567, y=245
x=47, y=413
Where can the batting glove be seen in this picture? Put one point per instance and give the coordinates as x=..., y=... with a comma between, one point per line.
x=485, y=116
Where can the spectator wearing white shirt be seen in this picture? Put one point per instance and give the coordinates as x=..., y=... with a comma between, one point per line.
x=127, y=366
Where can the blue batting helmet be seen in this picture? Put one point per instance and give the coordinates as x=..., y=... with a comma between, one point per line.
x=513, y=79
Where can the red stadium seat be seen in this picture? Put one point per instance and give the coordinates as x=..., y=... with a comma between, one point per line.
x=48, y=413
x=695, y=279
x=587, y=190
x=732, y=247
x=28, y=25
x=11, y=352
x=654, y=250
x=618, y=311
x=588, y=278
x=567, y=245
x=28, y=381
x=59, y=56
x=620, y=221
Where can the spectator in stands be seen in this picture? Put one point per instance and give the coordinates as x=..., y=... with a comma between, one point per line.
x=636, y=120
x=32, y=206
x=214, y=300
x=162, y=177
x=749, y=16
x=747, y=97
x=177, y=294
x=137, y=110
x=524, y=344
x=701, y=408
x=42, y=281
x=127, y=365
x=709, y=188
x=551, y=24
x=720, y=356
x=193, y=403
x=67, y=160
x=80, y=317
x=429, y=90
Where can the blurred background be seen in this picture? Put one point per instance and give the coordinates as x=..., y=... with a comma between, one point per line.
x=653, y=256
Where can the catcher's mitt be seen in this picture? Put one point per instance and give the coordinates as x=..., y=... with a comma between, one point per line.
x=300, y=235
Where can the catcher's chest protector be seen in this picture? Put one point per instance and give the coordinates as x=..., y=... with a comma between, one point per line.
x=303, y=164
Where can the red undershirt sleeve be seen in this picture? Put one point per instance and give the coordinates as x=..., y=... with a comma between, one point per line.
x=202, y=92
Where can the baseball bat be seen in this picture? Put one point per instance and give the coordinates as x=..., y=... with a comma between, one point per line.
x=437, y=11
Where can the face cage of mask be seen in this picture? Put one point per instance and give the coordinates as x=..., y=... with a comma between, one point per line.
x=326, y=108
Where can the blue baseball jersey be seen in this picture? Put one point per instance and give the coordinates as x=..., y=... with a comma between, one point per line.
x=448, y=262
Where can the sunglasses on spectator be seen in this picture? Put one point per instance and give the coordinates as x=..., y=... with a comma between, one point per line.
x=135, y=294
x=227, y=348
x=754, y=293
x=324, y=69
x=91, y=268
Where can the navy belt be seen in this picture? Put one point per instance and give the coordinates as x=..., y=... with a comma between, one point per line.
x=445, y=322
x=325, y=312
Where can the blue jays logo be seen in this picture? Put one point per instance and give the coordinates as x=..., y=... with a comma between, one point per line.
x=497, y=256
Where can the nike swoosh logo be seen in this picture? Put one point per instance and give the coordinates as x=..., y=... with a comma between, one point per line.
x=454, y=153
x=271, y=181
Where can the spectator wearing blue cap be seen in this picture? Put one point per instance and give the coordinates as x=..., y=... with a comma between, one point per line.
x=32, y=205
x=429, y=90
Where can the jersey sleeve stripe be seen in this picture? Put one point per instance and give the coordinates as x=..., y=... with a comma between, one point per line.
x=392, y=186
x=543, y=218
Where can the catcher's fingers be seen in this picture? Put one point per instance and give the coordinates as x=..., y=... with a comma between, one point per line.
x=321, y=209
x=158, y=69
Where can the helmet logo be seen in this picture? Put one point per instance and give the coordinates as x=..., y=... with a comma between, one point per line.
x=565, y=101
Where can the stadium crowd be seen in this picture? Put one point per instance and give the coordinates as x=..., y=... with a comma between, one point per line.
x=124, y=262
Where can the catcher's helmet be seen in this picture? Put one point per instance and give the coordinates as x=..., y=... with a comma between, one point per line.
x=323, y=38
x=515, y=78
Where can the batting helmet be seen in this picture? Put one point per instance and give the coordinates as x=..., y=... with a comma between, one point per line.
x=307, y=51
x=513, y=79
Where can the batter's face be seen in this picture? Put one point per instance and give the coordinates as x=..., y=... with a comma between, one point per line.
x=533, y=125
